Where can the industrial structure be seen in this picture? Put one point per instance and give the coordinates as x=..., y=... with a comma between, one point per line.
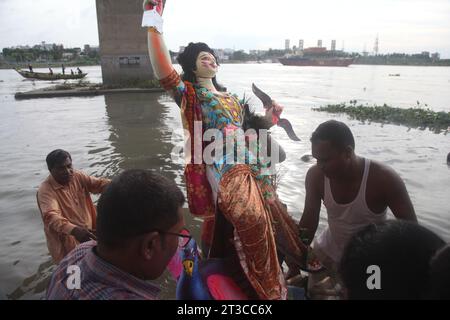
x=287, y=44
x=333, y=45
x=375, y=47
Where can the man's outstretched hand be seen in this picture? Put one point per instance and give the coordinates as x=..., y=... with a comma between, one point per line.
x=83, y=235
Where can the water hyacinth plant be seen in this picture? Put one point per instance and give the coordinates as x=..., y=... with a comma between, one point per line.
x=415, y=117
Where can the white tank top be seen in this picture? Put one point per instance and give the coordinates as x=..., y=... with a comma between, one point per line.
x=346, y=219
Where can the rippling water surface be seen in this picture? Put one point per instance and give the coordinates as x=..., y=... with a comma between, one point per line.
x=107, y=134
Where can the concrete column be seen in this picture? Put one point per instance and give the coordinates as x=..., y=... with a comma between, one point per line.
x=123, y=42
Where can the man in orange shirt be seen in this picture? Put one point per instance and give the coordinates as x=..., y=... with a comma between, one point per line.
x=66, y=206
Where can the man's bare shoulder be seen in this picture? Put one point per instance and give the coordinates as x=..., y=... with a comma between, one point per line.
x=314, y=177
x=383, y=175
x=382, y=170
x=314, y=172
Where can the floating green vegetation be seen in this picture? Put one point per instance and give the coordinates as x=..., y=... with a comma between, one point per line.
x=416, y=117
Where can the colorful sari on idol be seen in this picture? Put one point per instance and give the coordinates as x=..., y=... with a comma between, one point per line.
x=243, y=219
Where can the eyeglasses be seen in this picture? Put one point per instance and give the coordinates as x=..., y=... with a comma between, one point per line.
x=183, y=238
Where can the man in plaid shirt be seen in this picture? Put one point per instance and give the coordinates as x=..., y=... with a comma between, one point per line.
x=139, y=221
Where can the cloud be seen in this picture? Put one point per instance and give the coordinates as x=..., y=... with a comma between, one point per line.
x=71, y=23
x=414, y=25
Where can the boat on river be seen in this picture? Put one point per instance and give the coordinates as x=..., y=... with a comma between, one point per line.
x=318, y=57
x=50, y=76
x=316, y=62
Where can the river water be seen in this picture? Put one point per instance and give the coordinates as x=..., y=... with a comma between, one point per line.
x=107, y=134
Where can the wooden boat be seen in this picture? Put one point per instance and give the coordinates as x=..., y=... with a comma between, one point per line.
x=48, y=76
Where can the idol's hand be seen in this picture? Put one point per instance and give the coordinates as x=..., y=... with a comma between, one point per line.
x=149, y=5
x=153, y=10
x=273, y=113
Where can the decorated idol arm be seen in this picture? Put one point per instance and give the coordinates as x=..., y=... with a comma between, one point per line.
x=273, y=112
x=159, y=55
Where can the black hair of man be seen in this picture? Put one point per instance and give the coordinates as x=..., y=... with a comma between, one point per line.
x=439, y=288
x=134, y=203
x=402, y=250
x=336, y=132
x=57, y=157
x=188, y=61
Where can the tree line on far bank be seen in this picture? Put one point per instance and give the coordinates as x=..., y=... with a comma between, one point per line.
x=57, y=53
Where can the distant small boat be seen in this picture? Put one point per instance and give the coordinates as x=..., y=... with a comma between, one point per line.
x=394, y=75
x=48, y=76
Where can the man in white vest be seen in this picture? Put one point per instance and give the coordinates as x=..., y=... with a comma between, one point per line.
x=355, y=191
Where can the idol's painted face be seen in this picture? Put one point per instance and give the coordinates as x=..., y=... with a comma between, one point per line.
x=206, y=65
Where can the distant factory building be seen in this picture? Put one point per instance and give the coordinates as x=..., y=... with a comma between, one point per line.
x=287, y=44
x=87, y=49
x=376, y=46
x=435, y=56
x=333, y=45
x=315, y=50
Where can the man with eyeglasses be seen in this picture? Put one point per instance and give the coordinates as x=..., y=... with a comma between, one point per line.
x=139, y=228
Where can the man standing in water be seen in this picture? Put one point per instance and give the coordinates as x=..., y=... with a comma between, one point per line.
x=66, y=206
x=355, y=191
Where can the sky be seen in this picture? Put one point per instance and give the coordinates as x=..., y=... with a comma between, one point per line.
x=408, y=26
